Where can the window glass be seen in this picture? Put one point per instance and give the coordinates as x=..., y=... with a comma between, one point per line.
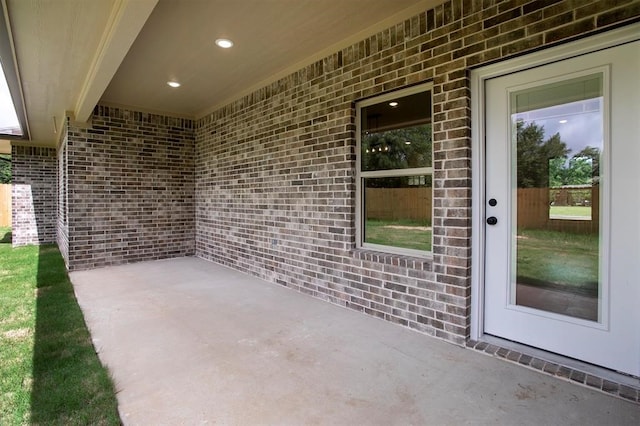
x=557, y=140
x=9, y=124
x=398, y=212
x=405, y=148
x=559, y=130
x=395, y=172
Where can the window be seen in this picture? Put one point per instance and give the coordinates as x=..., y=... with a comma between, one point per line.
x=13, y=122
x=394, y=172
x=9, y=124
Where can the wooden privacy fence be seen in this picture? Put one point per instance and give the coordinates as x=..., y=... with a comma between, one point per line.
x=533, y=208
x=5, y=204
x=533, y=212
x=398, y=203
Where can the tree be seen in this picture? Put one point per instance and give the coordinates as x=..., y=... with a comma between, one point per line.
x=534, y=154
x=557, y=172
x=5, y=168
x=582, y=169
x=592, y=153
x=579, y=171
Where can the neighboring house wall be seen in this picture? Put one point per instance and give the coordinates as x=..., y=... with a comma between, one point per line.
x=275, y=189
x=5, y=204
x=33, y=198
x=130, y=188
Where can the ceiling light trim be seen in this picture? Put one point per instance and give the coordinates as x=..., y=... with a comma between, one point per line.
x=224, y=43
x=125, y=23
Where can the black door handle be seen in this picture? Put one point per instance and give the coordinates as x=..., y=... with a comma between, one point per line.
x=492, y=220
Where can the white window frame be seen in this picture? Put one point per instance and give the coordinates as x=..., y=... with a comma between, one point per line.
x=361, y=175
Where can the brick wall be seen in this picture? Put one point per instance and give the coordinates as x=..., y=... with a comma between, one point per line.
x=275, y=188
x=130, y=188
x=33, y=195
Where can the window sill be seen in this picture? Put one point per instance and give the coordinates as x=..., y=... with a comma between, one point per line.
x=404, y=261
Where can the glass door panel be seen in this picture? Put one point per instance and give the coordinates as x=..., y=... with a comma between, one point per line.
x=561, y=239
x=557, y=138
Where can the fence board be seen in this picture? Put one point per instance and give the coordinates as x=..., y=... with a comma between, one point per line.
x=533, y=208
x=398, y=203
x=5, y=204
x=533, y=213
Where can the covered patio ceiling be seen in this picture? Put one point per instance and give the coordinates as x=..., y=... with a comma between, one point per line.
x=72, y=54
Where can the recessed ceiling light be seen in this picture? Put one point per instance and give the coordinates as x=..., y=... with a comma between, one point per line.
x=224, y=43
x=393, y=104
x=562, y=121
x=173, y=83
x=407, y=142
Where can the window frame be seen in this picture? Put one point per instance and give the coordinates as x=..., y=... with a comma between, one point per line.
x=361, y=175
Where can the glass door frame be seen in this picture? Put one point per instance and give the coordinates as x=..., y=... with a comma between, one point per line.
x=478, y=102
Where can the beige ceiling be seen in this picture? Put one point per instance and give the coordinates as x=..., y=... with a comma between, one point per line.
x=67, y=51
x=73, y=53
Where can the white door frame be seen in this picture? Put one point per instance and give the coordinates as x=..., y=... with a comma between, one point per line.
x=588, y=45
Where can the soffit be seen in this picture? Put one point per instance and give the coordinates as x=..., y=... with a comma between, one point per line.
x=272, y=38
x=67, y=52
x=73, y=53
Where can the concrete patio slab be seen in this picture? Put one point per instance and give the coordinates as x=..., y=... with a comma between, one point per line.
x=191, y=342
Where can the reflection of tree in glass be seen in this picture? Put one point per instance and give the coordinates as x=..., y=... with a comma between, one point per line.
x=543, y=164
x=579, y=171
x=534, y=154
x=409, y=147
x=593, y=155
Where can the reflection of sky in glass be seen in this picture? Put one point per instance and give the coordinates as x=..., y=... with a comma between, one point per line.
x=9, y=124
x=579, y=123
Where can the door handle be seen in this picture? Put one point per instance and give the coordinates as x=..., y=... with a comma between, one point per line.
x=492, y=220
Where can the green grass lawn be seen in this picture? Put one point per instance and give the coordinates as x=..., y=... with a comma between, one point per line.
x=399, y=233
x=558, y=260
x=545, y=258
x=572, y=211
x=49, y=371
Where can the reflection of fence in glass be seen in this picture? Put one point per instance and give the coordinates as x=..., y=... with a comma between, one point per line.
x=570, y=202
x=399, y=217
x=398, y=203
x=5, y=205
x=535, y=210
